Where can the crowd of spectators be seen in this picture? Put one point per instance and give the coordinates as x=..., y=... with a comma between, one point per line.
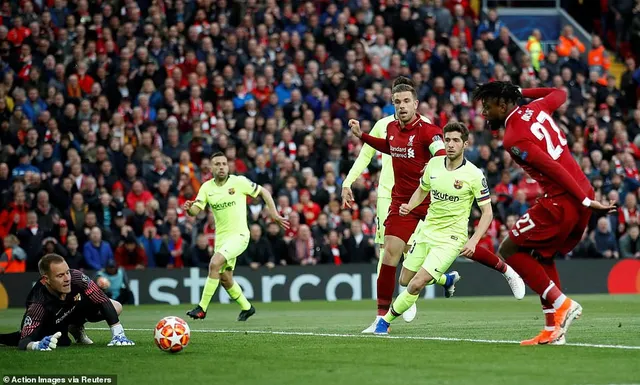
x=109, y=111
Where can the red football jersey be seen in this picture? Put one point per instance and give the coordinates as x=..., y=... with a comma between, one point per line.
x=538, y=145
x=411, y=147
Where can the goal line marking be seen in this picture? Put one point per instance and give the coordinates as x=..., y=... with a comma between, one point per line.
x=422, y=338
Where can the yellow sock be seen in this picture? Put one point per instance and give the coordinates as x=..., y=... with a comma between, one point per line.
x=236, y=294
x=380, y=259
x=404, y=301
x=209, y=290
x=442, y=280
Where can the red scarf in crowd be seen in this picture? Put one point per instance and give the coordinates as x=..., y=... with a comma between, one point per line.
x=335, y=251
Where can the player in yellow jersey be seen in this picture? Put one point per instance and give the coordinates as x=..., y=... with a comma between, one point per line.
x=227, y=196
x=385, y=184
x=454, y=183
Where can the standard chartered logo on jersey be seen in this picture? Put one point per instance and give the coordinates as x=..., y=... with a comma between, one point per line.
x=223, y=205
x=402, y=152
x=440, y=196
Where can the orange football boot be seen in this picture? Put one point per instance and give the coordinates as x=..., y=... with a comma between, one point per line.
x=541, y=339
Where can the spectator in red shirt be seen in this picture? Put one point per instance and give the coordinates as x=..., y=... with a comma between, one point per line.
x=19, y=32
x=628, y=214
x=138, y=194
x=130, y=254
x=307, y=208
x=14, y=217
x=505, y=190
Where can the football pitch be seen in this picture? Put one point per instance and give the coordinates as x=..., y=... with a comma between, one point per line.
x=464, y=340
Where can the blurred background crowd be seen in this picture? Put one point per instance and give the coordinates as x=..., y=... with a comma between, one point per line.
x=110, y=109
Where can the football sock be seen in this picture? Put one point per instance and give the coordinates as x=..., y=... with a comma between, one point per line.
x=236, y=294
x=549, y=315
x=553, y=295
x=385, y=285
x=380, y=259
x=209, y=290
x=117, y=330
x=442, y=280
x=531, y=271
x=489, y=259
x=404, y=301
x=549, y=267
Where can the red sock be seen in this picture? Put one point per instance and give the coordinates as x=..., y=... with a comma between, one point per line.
x=489, y=259
x=535, y=276
x=386, y=284
x=549, y=267
x=549, y=314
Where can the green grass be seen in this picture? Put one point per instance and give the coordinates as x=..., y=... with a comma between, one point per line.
x=260, y=357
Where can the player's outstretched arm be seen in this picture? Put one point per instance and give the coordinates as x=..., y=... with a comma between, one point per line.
x=273, y=211
x=543, y=162
x=485, y=221
x=362, y=161
x=552, y=98
x=379, y=144
x=32, y=329
x=48, y=343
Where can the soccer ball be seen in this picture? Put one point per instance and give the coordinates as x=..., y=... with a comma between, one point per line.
x=172, y=334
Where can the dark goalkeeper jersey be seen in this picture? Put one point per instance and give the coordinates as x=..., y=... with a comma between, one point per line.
x=47, y=313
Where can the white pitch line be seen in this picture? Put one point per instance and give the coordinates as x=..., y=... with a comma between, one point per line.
x=423, y=338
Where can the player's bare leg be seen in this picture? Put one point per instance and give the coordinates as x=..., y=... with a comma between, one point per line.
x=235, y=293
x=447, y=281
x=210, y=286
x=405, y=300
x=386, y=282
x=535, y=276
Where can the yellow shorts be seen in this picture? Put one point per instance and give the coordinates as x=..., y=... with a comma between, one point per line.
x=231, y=247
x=434, y=257
x=382, y=211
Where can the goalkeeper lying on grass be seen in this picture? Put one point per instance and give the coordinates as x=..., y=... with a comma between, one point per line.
x=59, y=304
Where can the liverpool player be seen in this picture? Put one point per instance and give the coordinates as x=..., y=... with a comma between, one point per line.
x=385, y=184
x=411, y=142
x=556, y=222
x=60, y=303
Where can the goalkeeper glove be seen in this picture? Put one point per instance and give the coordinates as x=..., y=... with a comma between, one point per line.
x=47, y=343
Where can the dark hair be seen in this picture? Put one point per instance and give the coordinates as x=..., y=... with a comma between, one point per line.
x=404, y=88
x=402, y=80
x=44, y=265
x=457, y=127
x=217, y=154
x=498, y=90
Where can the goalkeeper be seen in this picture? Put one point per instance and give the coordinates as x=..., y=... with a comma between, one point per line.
x=61, y=303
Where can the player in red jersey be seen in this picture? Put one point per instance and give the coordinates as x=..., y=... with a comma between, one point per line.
x=411, y=142
x=556, y=222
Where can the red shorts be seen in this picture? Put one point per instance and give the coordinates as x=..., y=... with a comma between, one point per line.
x=552, y=225
x=403, y=226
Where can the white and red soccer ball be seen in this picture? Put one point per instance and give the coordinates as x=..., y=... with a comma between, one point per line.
x=172, y=334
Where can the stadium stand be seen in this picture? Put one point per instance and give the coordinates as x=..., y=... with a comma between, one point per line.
x=109, y=111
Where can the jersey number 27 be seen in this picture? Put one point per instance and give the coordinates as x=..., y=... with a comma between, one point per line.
x=541, y=132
